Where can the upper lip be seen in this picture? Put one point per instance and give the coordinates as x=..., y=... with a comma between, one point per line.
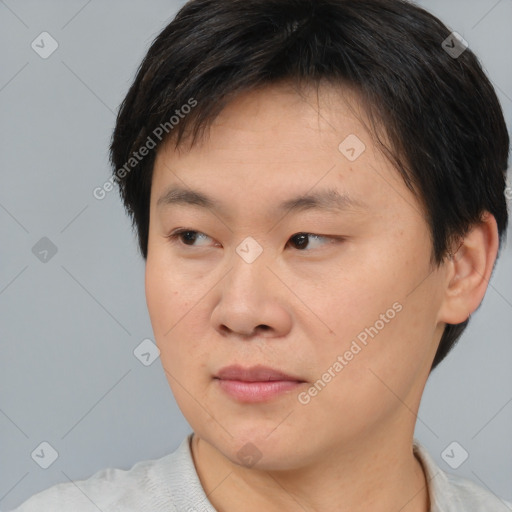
x=254, y=374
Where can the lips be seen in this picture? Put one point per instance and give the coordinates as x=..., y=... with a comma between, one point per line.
x=255, y=374
x=256, y=384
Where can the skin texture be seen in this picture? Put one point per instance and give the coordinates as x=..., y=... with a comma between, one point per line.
x=297, y=309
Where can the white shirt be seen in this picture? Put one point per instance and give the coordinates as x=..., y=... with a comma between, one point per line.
x=171, y=484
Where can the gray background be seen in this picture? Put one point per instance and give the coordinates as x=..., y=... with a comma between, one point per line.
x=69, y=326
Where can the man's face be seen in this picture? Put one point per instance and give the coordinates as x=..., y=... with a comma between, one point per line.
x=351, y=309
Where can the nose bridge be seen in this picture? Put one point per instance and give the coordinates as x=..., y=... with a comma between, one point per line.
x=249, y=268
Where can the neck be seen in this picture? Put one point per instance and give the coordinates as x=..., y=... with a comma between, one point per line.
x=375, y=474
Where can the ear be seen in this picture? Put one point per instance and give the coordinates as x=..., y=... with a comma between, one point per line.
x=468, y=271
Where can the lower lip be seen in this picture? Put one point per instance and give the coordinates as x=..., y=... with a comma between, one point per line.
x=257, y=391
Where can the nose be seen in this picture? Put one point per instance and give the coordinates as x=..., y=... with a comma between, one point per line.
x=252, y=301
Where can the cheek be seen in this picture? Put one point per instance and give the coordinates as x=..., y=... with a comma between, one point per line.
x=373, y=379
x=380, y=325
x=159, y=297
x=164, y=307
x=166, y=294
x=175, y=309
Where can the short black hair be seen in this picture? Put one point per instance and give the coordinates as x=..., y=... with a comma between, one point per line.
x=436, y=109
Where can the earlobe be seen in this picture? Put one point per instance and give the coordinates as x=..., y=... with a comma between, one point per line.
x=469, y=269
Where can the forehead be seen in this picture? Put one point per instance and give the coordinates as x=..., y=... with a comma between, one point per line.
x=275, y=143
x=284, y=114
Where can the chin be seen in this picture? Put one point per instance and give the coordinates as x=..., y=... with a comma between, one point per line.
x=259, y=448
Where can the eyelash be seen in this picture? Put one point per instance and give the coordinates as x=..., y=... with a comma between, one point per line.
x=175, y=235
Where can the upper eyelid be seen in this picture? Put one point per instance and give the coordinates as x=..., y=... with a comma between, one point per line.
x=180, y=231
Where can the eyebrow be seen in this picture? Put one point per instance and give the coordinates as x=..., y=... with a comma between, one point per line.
x=328, y=199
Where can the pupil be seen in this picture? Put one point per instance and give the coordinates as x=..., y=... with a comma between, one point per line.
x=302, y=240
x=188, y=238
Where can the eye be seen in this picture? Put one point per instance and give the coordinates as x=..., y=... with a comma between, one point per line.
x=186, y=236
x=302, y=240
